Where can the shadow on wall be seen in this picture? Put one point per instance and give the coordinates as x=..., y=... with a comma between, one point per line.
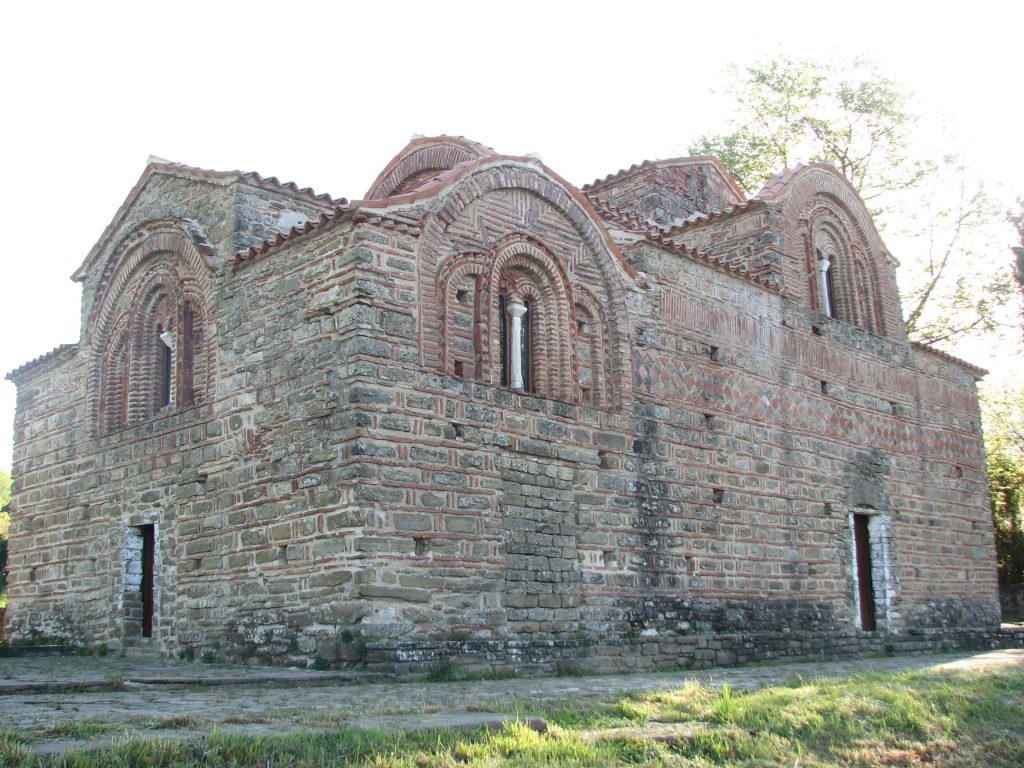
x=1011, y=602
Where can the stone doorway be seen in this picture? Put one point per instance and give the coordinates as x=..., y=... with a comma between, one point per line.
x=140, y=582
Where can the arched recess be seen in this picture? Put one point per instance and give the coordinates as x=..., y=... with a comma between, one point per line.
x=594, y=379
x=817, y=202
x=844, y=281
x=524, y=271
x=150, y=330
x=471, y=233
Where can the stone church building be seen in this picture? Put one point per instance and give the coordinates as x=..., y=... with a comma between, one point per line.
x=488, y=415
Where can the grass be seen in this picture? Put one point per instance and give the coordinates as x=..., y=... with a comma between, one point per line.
x=951, y=719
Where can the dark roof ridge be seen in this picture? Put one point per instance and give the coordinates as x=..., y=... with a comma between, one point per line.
x=57, y=354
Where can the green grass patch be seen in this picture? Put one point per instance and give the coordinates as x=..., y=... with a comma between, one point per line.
x=952, y=719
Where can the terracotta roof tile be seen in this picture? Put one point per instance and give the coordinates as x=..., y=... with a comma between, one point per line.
x=159, y=165
x=675, y=161
x=655, y=234
x=778, y=183
x=976, y=371
x=255, y=251
x=58, y=354
x=251, y=177
x=698, y=219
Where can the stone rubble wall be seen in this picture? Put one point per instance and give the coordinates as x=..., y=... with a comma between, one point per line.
x=340, y=497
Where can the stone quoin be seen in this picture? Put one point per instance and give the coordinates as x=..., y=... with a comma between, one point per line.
x=485, y=415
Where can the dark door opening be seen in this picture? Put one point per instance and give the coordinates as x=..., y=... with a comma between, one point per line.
x=865, y=584
x=148, y=563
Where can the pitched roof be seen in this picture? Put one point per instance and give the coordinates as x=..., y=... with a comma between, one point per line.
x=56, y=355
x=674, y=162
x=633, y=223
x=158, y=166
x=976, y=371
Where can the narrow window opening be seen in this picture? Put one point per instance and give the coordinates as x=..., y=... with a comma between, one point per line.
x=503, y=335
x=824, y=388
x=717, y=495
x=515, y=332
x=865, y=584
x=709, y=421
x=458, y=368
x=525, y=344
x=713, y=355
x=830, y=293
x=164, y=341
x=188, y=363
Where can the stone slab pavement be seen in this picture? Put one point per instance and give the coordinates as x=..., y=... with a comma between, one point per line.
x=163, y=699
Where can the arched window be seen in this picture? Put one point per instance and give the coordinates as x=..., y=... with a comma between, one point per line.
x=826, y=287
x=510, y=318
x=516, y=347
x=114, y=400
x=153, y=358
x=845, y=284
x=150, y=329
x=530, y=317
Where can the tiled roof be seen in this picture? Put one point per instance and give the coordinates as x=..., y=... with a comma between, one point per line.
x=634, y=223
x=158, y=165
x=250, y=177
x=255, y=251
x=779, y=183
x=697, y=219
x=676, y=161
x=382, y=220
x=59, y=354
x=977, y=371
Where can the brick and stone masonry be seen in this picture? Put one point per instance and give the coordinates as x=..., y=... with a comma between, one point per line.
x=292, y=428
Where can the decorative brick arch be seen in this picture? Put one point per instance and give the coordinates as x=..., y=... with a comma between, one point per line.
x=422, y=159
x=440, y=257
x=524, y=269
x=854, y=277
x=816, y=196
x=156, y=281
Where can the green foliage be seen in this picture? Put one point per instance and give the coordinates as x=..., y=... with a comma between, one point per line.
x=5, y=526
x=851, y=115
x=1004, y=443
x=442, y=671
x=790, y=111
x=918, y=718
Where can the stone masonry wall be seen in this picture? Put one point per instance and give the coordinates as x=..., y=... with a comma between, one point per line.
x=341, y=495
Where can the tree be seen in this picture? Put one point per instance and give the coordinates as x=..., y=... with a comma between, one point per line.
x=5, y=523
x=791, y=111
x=1004, y=442
x=852, y=116
x=1016, y=219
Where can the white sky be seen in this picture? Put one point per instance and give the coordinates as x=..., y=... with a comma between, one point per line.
x=324, y=94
